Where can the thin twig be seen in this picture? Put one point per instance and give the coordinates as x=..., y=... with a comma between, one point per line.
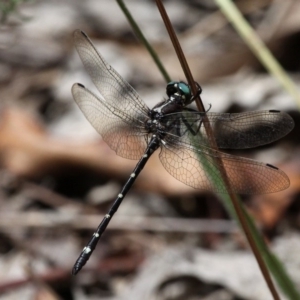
x=11, y=221
x=180, y=54
x=233, y=197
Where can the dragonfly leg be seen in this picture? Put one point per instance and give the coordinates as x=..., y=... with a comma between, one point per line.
x=190, y=128
x=199, y=91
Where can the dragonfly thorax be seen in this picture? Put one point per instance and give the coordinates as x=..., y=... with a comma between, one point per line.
x=155, y=126
x=171, y=105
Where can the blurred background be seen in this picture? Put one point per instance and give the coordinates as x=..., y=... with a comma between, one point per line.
x=58, y=178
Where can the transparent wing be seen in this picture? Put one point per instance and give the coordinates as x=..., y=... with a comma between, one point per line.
x=123, y=132
x=110, y=84
x=198, y=168
x=231, y=131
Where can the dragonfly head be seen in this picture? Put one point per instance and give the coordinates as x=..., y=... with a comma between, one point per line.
x=181, y=89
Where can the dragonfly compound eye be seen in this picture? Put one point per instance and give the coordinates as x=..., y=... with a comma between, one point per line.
x=171, y=88
x=179, y=88
x=185, y=91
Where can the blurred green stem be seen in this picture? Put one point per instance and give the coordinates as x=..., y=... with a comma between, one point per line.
x=143, y=40
x=258, y=47
x=7, y=7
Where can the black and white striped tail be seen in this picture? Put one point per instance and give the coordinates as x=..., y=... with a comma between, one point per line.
x=90, y=247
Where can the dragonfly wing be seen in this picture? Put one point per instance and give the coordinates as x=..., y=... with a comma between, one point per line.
x=124, y=133
x=199, y=168
x=231, y=131
x=110, y=84
x=250, y=129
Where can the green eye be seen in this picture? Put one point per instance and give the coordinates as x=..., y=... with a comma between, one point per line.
x=179, y=87
x=185, y=89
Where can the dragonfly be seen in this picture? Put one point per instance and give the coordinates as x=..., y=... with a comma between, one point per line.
x=134, y=131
